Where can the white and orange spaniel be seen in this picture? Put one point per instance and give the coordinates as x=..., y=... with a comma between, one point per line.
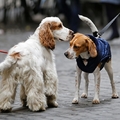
x=92, y=54
x=31, y=63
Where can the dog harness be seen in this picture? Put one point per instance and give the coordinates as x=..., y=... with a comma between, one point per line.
x=103, y=56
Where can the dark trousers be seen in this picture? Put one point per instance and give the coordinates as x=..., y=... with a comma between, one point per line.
x=71, y=11
x=111, y=10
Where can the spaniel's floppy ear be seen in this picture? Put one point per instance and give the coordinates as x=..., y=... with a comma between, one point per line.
x=92, y=48
x=46, y=36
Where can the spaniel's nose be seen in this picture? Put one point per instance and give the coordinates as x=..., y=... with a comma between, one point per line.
x=71, y=32
x=66, y=54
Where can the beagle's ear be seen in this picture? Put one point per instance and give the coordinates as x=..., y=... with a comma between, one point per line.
x=46, y=36
x=92, y=48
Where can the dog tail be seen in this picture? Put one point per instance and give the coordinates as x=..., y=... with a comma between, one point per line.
x=90, y=24
x=9, y=61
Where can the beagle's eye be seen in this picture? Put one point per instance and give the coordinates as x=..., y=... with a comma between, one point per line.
x=75, y=46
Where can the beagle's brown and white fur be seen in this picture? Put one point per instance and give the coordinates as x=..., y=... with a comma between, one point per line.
x=81, y=45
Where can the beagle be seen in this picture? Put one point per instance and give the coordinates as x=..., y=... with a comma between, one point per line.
x=91, y=54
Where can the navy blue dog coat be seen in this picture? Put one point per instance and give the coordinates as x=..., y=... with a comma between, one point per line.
x=103, y=55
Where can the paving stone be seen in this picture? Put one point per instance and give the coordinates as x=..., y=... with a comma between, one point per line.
x=108, y=109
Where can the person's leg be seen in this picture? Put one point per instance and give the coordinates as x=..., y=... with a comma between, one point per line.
x=111, y=10
x=74, y=20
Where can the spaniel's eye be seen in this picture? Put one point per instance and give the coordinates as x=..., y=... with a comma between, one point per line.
x=59, y=25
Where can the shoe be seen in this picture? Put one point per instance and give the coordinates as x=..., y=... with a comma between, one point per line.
x=112, y=37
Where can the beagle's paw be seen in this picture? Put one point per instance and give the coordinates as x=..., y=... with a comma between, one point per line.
x=96, y=101
x=84, y=95
x=75, y=101
x=115, y=96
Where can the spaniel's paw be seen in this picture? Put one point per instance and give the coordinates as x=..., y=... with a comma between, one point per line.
x=53, y=104
x=36, y=104
x=6, y=110
x=36, y=108
x=5, y=107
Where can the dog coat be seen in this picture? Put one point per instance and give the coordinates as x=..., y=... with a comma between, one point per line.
x=103, y=55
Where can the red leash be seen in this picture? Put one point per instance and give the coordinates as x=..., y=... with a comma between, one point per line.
x=2, y=51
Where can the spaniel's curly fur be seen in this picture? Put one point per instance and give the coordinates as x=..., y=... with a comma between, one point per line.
x=31, y=63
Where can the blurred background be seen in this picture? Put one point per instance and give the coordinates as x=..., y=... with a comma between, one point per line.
x=27, y=14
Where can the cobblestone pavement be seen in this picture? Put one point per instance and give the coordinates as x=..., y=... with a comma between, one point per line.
x=108, y=109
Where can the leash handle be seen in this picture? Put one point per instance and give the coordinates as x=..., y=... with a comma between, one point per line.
x=2, y=51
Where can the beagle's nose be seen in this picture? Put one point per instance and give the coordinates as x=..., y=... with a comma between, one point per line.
x=66, y=54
